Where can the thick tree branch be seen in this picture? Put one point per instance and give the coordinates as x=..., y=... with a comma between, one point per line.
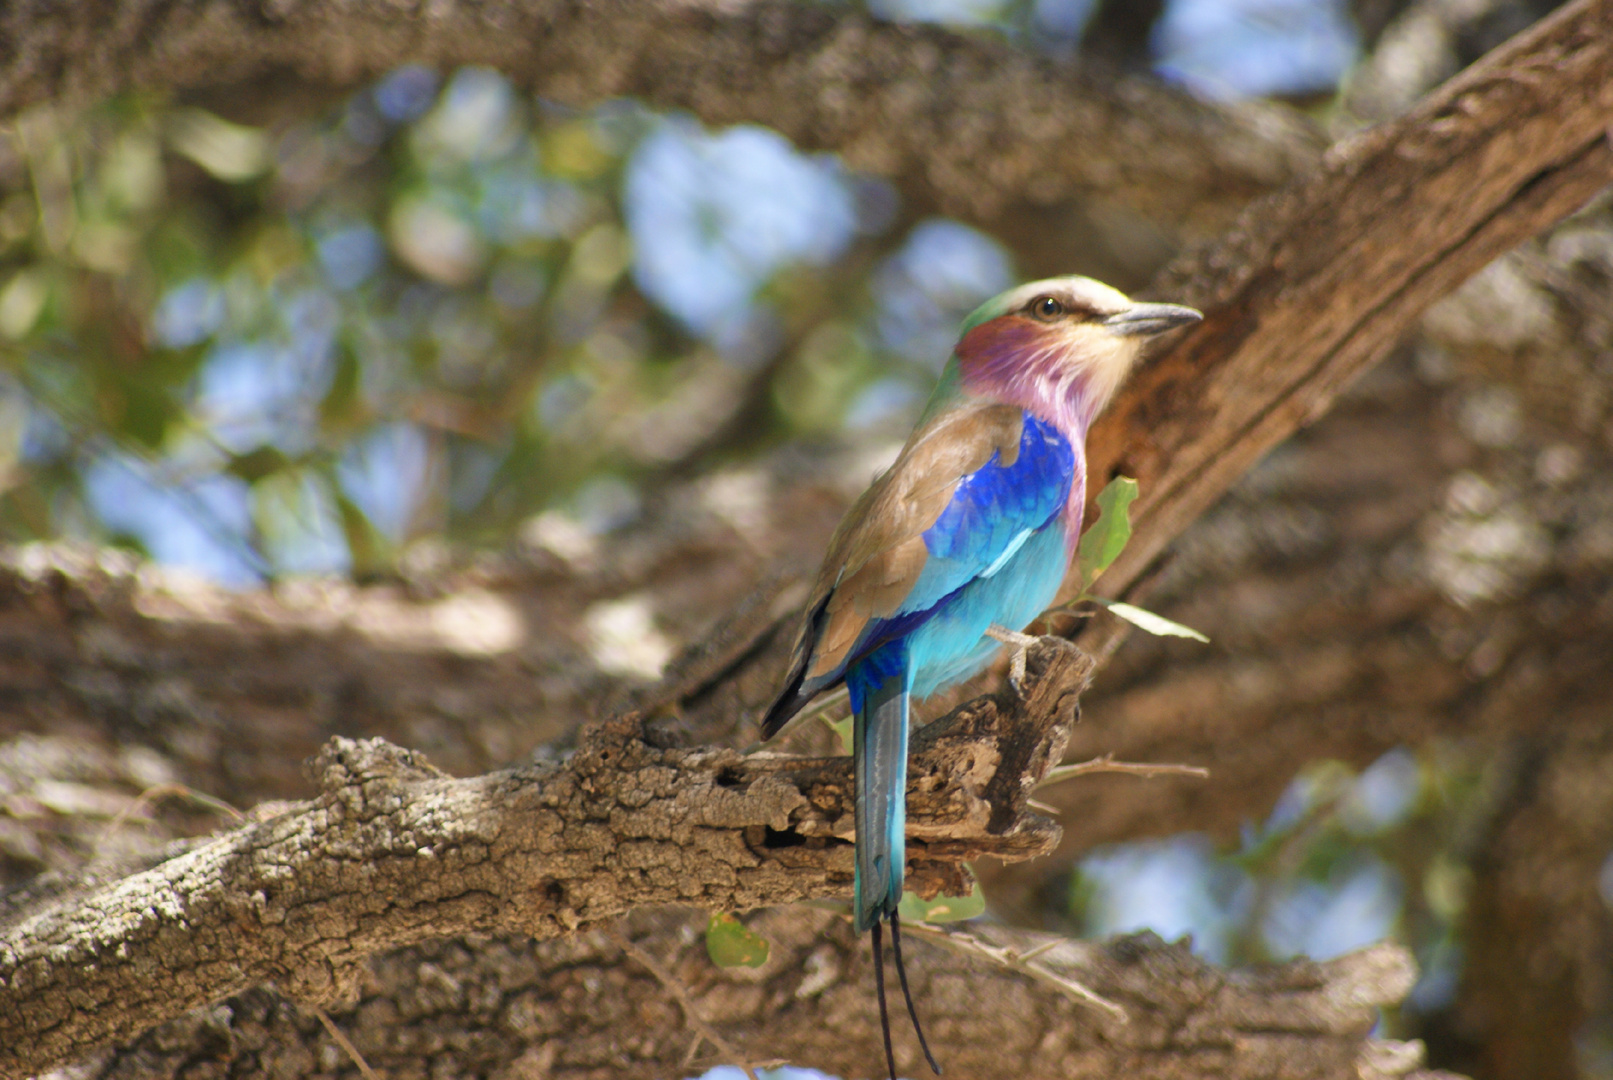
x=515, y=1008
x=394, y=852
x=1320, y=281
x=961, y=123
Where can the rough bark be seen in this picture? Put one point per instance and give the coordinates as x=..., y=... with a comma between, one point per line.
x=1424, y=43
x=578, y=1009
x=394, y=852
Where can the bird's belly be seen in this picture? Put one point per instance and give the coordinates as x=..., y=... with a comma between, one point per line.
x=951, y=645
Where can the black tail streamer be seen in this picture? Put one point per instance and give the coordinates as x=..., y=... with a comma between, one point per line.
x=912, y=1013
x=879, y=989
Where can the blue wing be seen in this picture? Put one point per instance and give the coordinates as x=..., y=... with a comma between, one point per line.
x=993, y=512
x=899, y=558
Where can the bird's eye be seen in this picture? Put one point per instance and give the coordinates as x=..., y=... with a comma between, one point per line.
x=1046, y=308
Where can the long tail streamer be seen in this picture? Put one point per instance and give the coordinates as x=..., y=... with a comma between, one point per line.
x=907, y=995
x=879, y=989
x=901, y=973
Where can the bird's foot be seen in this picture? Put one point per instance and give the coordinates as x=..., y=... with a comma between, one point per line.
x=1018, y=644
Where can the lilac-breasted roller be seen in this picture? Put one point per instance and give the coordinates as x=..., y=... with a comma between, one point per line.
x=968, y=535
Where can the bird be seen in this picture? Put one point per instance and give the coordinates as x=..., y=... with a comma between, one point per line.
x=956, y=547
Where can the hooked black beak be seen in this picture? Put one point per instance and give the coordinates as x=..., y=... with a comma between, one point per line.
x=1146, y=320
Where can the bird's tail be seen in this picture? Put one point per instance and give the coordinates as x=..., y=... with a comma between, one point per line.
x=879, y=685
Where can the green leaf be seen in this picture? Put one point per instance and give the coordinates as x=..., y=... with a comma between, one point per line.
x=842, y=728
x=943, y=908
x=1157, y=625
x=730, y=943
x=145, y=414
x=1103, y=543
x=365, y=544
x=342, y=410
x=231, y=152
x=254, y=465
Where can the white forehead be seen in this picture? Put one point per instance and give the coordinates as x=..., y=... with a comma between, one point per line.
x=1074, y=292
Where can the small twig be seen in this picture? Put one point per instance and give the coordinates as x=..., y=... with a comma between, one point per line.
x=968, y=944
x=691, y=1014
x=1108, y=764
x=150, y=795
x=836, y=697
x=346, y=1044
x=832, y=700
x=1103, y=639
x=1050, y=943
x=694, y=1049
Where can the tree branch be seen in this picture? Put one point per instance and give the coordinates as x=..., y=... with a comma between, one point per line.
x=394, y=852
x=1319, y=282
x=963, y=124
x=578, y=1009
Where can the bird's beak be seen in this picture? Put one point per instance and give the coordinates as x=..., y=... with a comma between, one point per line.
x=1146, y=320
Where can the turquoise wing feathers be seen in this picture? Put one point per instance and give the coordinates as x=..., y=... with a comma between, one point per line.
x=924, y=534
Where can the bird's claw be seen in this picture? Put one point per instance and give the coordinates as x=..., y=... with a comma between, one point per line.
x=1019, y=645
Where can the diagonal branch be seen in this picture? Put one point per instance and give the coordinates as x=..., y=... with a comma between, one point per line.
x=394, y=852
x=691, y=1012
x=1319, y=282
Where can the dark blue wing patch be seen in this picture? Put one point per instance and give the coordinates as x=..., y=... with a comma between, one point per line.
x=993, y=511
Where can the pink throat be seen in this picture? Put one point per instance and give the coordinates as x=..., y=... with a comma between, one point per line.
x=1014, y=360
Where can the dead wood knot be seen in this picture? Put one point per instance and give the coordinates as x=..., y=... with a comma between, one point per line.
x=613, y=746
x=344, y=763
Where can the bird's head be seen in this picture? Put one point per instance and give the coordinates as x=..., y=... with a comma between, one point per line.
x=1063, y=345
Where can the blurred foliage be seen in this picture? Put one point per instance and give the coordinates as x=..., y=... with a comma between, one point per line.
x=1345, y=859
x=432, y=313
x=442, y=308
